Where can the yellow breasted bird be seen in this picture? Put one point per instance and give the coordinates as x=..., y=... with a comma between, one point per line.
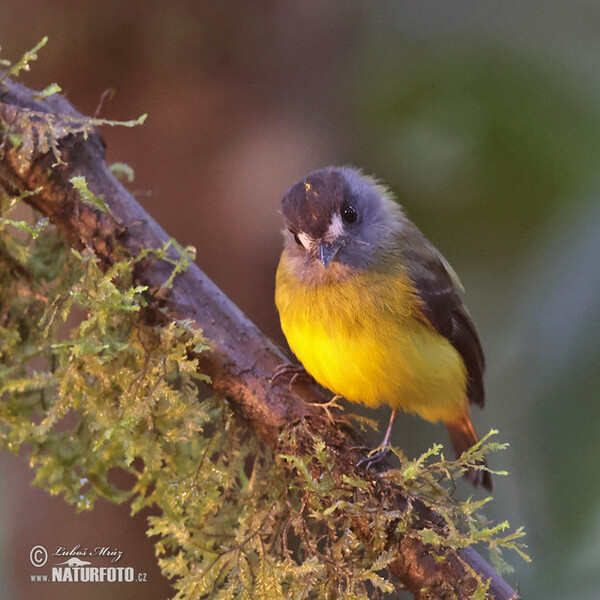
x=369, y=306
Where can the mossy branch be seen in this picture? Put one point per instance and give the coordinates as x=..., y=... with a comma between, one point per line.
x=241, y=360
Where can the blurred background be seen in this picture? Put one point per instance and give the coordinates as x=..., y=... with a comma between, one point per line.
x=483, y=117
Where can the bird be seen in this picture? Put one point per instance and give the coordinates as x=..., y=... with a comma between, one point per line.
x=371, y=308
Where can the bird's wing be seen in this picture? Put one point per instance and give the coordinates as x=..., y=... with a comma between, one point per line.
x=436, y=285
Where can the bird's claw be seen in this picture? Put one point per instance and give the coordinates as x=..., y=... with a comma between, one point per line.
x=326, y=406
x=372, y=459
x=294, y=372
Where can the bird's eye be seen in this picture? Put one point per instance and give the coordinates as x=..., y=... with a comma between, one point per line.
x=349, y=214
x=296, y=238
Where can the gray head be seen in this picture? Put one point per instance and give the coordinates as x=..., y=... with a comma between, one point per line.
x=338, y=221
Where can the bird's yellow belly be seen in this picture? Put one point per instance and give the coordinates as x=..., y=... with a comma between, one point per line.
x=371, y=348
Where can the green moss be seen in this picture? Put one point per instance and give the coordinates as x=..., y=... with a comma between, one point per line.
x=88, y=385
x=117, y=393
x=234, y=522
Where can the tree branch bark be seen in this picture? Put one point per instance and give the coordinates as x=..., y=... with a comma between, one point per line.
x=241, y=360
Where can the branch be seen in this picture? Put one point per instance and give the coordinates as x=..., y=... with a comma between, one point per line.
x=242, y=360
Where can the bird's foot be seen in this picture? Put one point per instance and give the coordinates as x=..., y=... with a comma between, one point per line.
x=294, y=372
x=374, y=458
x=384, y=448
x=326, y=406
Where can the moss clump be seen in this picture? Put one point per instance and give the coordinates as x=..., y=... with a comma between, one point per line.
x=89, y=384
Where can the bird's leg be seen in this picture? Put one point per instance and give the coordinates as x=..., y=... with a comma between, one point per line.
x=294, y=372
x=376, y=457
x=385, y=443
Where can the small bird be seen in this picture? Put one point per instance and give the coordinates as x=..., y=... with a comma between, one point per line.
x=370, y=307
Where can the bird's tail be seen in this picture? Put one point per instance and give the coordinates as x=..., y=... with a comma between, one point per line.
x=463, y=436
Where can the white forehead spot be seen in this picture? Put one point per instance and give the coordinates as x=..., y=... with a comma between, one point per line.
x=336, y=227
x=305, y=240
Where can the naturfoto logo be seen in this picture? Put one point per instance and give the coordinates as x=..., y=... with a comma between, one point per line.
x=78, y=569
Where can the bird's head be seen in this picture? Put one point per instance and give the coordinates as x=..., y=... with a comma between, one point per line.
x=337, y=220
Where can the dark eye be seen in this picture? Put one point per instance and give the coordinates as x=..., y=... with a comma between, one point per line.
x=349, y=214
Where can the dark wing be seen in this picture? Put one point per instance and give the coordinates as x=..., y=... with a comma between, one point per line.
x=443, y=308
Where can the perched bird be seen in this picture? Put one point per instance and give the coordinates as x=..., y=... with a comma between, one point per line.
x=369, y=306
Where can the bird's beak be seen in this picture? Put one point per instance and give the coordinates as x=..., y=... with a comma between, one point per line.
x=327, y=252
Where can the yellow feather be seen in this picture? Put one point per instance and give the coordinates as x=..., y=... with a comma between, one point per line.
x=366, y=339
